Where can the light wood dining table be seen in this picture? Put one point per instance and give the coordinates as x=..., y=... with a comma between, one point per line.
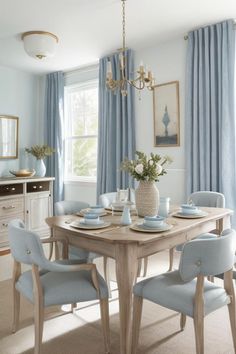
x=126, y=247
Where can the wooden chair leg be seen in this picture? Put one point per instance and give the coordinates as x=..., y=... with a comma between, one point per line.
x=73, y=306
x=16, y=310
x=231, y=309
x=107, y=274
x=139, y=267
x=182, y=321
x=104, y=308
x=228, y=284
x=199, y=334
x=137, y=313
x=38, y=324
x=145, y=265
x=198, y=318
x=171, y=258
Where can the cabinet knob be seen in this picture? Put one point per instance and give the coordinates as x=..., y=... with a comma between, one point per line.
x=40, y=187
x=13, y=188
x=34, y=187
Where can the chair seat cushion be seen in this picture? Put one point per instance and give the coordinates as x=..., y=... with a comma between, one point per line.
x=63, y=287
x=170, y=291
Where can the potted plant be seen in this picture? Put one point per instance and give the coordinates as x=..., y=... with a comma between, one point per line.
x=40, y=152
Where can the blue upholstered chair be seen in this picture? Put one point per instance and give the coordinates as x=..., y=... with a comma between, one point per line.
x=51, y=283
x=201, y=199
x=67, y=207
x=106, y=199
x=187, y=291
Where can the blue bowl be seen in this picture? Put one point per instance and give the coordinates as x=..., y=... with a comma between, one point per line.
x=91, y=216
x=153, y=221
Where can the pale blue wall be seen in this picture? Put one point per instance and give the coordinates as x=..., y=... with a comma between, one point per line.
x=19, y=97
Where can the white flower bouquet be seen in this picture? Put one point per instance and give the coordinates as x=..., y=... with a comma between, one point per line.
x=146, y=168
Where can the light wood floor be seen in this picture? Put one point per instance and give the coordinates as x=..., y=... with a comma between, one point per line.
x=80, y=333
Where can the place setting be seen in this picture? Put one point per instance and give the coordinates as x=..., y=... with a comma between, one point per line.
x=90, y=221
x=189, y=211
x=152, y=224
x=96, y=209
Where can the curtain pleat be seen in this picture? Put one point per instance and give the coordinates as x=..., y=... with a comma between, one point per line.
x=210, y=114
x=116, y=134
x=54, y=107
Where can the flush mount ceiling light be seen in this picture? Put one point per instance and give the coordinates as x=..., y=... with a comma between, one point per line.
x=143, y=78
x=40, y=44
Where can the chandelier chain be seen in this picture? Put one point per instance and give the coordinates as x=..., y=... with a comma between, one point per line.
x=143, y=78
x=123, y=23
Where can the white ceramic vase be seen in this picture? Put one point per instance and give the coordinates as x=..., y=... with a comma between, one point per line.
x=147, y=198
x=40, y=168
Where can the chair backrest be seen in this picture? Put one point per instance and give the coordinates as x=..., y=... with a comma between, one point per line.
x=208, y=256
x=208, y=199
x=67, y=207
x=25, y=245
x=106, y=199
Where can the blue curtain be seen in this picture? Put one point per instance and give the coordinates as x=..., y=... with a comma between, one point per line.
x=54, y=104
x=116, y=134
x=210, y=116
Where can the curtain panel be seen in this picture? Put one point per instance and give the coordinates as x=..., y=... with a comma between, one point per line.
x=210, y=114
x=54, y=106
x=116, y=133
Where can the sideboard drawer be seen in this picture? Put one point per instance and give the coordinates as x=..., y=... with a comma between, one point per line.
x=37, y=186
x=11, y=189
x=10, y=207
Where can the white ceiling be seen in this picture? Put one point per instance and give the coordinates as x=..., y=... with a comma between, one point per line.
x=89, y=29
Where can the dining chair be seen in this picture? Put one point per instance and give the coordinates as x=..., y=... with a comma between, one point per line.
x=50, y=283
x=67, y=207
x=201, y=199
x=187, y=291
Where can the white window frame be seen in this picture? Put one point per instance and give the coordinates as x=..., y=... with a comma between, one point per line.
x=84, y=180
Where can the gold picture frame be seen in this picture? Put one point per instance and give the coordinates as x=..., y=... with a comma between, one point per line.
x=9, y=131
x=166, y=114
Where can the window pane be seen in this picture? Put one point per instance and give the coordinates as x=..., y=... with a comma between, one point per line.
x=83, y=107
x=81, y=129
x=82, y=157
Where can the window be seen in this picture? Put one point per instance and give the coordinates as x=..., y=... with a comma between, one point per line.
x=81, y=130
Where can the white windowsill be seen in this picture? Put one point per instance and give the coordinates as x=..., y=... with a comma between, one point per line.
x=81, y=182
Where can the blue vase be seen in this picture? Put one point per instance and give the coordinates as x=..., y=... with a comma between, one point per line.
x=40, y=168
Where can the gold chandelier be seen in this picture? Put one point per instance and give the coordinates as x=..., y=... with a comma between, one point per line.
x=144, y=77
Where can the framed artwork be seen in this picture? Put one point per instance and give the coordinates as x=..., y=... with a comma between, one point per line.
x=166, y=114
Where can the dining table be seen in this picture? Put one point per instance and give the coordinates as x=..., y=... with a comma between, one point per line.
x=128, y=244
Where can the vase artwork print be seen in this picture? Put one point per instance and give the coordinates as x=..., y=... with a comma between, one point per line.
x=166, y=114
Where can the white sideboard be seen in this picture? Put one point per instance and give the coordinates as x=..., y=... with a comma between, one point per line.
x=29, y=199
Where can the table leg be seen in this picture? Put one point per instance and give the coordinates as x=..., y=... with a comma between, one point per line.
x=126, y=272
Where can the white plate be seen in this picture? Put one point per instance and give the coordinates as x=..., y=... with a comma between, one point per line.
x=79, y=225
x=97, y=223
x=190, y=216
x=140, y=227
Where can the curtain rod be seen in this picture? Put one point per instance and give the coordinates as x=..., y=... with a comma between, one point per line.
x=186, y=36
